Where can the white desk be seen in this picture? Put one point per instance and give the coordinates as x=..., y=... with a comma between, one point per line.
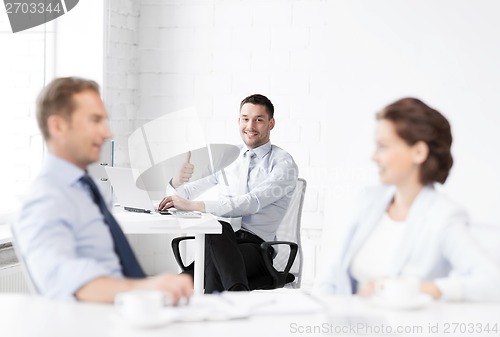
x=143, y=223
x=21, y=315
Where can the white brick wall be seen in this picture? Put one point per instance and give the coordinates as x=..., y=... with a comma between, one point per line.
x=165, y=55
x=121, y=82
x=211, y=54
x=121, y=95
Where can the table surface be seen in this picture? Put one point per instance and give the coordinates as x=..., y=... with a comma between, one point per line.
x=144, y=223
x=155, y=223
x=23, y=315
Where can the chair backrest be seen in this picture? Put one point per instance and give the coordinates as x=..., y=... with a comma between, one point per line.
x=27, y=276
x=289, y=230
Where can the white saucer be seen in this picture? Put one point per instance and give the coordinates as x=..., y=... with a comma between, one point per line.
x=166, y=317
x=416, y=302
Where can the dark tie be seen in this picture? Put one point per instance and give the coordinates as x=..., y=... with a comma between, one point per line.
x=128, y=261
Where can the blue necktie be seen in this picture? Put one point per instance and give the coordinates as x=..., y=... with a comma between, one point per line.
x=128, y=261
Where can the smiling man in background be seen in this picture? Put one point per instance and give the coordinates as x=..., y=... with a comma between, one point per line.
x=254, y=194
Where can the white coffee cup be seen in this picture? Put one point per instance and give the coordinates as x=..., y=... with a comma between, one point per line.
x=140, y=305
x=398, y=289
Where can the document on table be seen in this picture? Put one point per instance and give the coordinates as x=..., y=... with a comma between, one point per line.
x=237, y=305
x=276, y=302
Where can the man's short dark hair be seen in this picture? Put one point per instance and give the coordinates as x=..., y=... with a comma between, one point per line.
x=258, y=99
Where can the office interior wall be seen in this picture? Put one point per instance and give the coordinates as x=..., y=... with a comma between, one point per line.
x=121, y=72
x=121, y=90
x=69, y=46
x=23, y=69
x=212, y=54
x=328, y=66
x=443, y=52
x=80, y=41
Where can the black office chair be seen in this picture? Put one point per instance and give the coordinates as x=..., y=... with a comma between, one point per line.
x=286, y=267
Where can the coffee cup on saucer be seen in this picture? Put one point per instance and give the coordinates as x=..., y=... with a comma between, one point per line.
x=398, y=289
x=141, y=307
x=400, y=293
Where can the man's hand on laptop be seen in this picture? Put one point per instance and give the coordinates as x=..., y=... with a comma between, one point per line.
x=185, y=173
x=181, y=204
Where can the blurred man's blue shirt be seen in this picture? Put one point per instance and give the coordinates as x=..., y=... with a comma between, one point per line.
x=61, y=232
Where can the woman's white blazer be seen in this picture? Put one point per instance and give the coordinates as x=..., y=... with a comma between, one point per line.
x=436, y=246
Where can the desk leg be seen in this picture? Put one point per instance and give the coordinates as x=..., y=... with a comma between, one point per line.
x=199, y=265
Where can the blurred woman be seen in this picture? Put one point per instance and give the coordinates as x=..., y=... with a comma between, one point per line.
x=406, y=228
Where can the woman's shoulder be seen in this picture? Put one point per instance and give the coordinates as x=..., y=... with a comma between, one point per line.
x=439, y=208
x=444, y=203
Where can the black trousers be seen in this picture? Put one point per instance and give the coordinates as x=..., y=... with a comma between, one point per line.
x=231, y=258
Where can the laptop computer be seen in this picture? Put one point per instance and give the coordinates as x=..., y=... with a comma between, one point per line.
x=130, y=197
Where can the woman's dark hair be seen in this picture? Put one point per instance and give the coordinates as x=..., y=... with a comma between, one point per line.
x=415, y=121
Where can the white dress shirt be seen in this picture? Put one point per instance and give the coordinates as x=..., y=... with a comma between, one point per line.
x=271, y=181
x=373, y=260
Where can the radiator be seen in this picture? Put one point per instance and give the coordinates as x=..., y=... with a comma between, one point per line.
x=12, y=279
